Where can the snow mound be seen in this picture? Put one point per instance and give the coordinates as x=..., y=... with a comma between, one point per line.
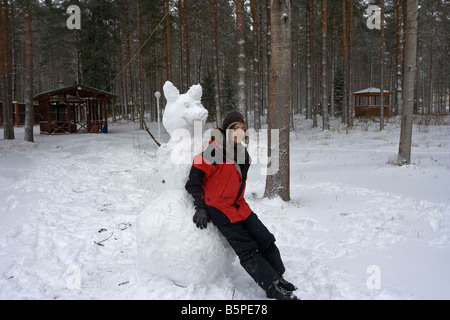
x=169, y=243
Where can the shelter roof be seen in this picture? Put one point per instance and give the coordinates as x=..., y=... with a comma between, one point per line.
x=77, y=90
x=371, y=91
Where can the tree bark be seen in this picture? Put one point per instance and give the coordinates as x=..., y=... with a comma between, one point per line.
x=399, y=56
x=351, y=106
x=186, y=51
x=256, y=64
x=309, y=12
x=315, y=81
x=324, y=102
x=431, y=108
x=345, y=62
x=168, y=40
x=240, y=29
x=29, y=112
x=404, y=152
x=140, y=82
x=278, y=169
x=5, y=61
x=216, y=62
x=382, y=66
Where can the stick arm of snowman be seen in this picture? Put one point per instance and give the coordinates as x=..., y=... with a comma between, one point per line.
x=141, y=115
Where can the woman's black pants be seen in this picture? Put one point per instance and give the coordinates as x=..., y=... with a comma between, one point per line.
x=256, y=249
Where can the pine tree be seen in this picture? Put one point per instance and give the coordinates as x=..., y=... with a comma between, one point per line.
x=5, y=70
x=324, y=78
x=208, y=96
x=99, y=42
x=29, y=111
x=338, y=88
x=215, y=54
x=228, y=94
x=241, y=67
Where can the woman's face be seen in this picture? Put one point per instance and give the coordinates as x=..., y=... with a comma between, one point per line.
x=238, y=133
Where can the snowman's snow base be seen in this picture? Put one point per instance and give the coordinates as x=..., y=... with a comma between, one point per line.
x=170, y=245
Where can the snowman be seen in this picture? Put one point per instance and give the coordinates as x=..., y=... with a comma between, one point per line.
x=169, y=243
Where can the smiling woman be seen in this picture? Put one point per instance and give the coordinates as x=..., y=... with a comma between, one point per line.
x=217, y=184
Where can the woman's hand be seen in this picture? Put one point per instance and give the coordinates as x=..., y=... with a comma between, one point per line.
x=201, y=218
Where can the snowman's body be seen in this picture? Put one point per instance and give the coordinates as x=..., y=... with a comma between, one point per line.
x=169, y=243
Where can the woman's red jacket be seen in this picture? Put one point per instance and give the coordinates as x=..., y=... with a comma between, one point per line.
x=217, y=183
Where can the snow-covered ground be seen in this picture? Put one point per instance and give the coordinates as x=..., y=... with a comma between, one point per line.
x=357, y=227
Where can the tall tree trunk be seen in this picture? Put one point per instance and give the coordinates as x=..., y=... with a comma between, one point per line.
x=80, y=77
x=180, y=37
x=278, y=169
x=324, y=102
x=314, y=67
x=14, y=94
x=186, y=51
x=333, y=63
x=198, y=48
x=5, y=60
x=351, y=106
x=140, y=82
x=256, y=64
x=29, y=112
x=404, y=152
x=216, y=62
x=240, y=29
x=3, y=87
x=262, y=55
x=269, y=52
x=345, y=62
x=309, y=12
x=431, y=108
x=382, y=66
x=128, y=72
x=168, y=40
x=399, y=56
x=299, y=73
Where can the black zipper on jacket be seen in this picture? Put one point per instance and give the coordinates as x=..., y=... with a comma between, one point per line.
x=239, y=193
x=243, y=180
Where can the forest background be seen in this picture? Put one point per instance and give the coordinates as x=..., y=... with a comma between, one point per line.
x=131, y=48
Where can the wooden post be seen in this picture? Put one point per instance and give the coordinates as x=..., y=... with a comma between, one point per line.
x=44, y=110
x=69, y=125
x=88, y=115
x=76, y=110
x=17, y=115
x=106, y=112
x=100, y=110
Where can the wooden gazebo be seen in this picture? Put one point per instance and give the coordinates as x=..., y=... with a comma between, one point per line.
x=367, y=102
x=74, y=109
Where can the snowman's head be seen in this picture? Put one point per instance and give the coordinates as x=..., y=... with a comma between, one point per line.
x=182, y=110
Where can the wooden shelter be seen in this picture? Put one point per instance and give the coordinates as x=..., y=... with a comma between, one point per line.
x=74, y=109
x=367, y=102
x=19, y=113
